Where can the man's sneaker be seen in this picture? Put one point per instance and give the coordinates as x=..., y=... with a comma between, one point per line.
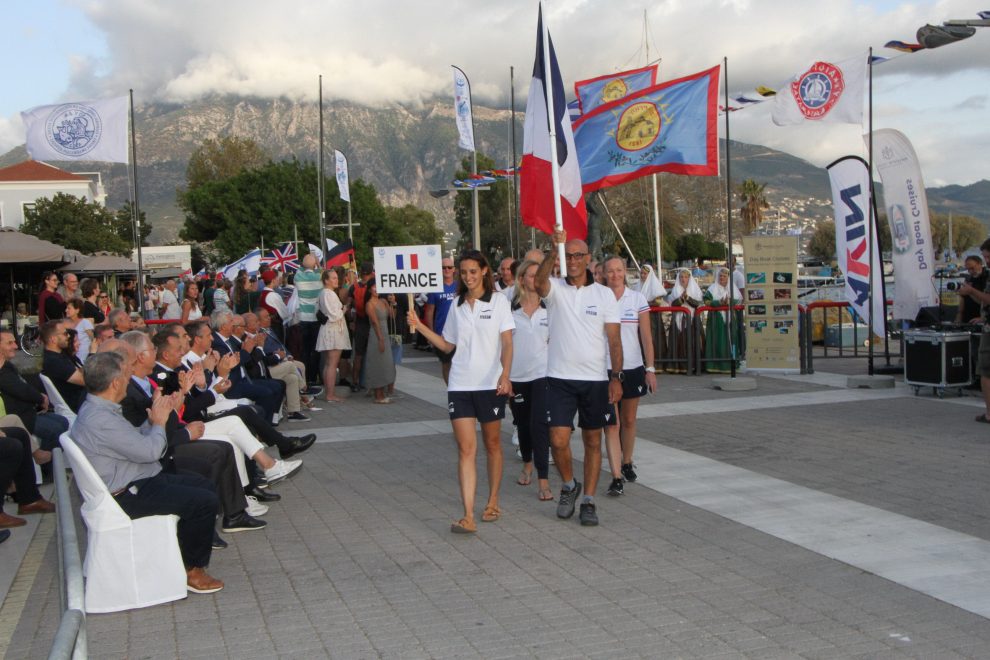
x=261, y=482
x=519, y=454
x=242, y=522
x=254, y=507
x=199, y=581
x=515, y=437
x=313, y=390
x=628, y=473
x=588, y=515
x=297, y=417
x=615, y=488
x=567, y=499
x=218, y=543
x=282, y=469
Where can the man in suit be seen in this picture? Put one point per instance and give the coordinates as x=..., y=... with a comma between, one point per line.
x=274, y=366
x=187, y=450
x=265, y=392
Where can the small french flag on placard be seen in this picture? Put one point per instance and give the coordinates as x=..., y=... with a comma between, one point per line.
x=400, y=261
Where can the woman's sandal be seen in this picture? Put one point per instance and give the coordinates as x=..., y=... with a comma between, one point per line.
x=525, y=479
x=491, y=514
x=464, y=526
x=545, y=495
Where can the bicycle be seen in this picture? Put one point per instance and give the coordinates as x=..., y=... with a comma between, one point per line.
x=31, y=340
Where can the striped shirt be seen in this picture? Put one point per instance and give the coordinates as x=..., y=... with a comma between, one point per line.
x=308, y=285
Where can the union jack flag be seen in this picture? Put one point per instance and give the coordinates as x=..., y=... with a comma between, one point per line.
x=283, y=258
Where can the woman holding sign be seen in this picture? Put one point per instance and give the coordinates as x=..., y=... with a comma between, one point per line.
x=479, y=326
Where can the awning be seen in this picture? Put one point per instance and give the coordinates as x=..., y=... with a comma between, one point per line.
x=18, y=248
x=100, y=263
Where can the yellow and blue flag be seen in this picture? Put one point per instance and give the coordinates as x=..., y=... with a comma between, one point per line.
x=669, y=127
x=596, y=92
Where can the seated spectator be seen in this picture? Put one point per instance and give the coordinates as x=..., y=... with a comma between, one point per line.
x=16, y=467
x=188, y=451
x=101, y=333
x=127, y=459
x=120, y=321
x=270, y=366
x=59, y=367
x=28, y=403
x=265, y=392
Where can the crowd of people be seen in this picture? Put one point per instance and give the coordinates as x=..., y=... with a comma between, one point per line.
x=175, y=406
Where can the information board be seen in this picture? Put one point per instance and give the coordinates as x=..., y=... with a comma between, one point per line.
x=408, y=269
x=771, y=304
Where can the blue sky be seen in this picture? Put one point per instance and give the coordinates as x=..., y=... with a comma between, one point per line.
x=381, y=51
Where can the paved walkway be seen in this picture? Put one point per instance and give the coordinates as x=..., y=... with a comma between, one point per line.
x=800, y=520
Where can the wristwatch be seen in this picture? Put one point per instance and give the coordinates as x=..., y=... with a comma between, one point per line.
x=618, y=375
x=651, y=370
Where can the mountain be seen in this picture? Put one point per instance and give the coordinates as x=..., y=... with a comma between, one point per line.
x=404, y=151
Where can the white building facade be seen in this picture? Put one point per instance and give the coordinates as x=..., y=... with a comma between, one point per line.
x=22, y=184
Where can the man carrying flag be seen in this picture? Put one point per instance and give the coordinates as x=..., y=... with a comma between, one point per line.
x=538, y=180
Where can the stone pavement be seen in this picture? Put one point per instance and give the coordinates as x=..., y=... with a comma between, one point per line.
x=799, y=520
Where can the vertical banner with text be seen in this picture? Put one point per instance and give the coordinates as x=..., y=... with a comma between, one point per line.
x=771, y=304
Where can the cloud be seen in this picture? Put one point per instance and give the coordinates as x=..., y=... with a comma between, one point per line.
x=381, y=51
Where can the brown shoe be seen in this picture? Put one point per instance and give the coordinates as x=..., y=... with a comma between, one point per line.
x=199, y=581
x=7, y=520
x=38, y=506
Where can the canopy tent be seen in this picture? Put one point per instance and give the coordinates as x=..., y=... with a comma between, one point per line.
x=100, y=263
x=23, y=256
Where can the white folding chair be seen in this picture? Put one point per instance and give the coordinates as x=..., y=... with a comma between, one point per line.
x=55, y=398
x=129, y=563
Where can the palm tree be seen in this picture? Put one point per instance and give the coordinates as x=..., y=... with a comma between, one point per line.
x=753, y=199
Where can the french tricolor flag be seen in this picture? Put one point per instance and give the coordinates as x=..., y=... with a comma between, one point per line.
x=410, y=261
x=536, y=199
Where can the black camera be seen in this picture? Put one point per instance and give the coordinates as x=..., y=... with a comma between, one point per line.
x=954, y=286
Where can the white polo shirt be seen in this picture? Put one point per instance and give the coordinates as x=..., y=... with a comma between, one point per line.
x=529, y=345
x=578, y=346
x=172, y=308
x=476, y=332
x=631, y=304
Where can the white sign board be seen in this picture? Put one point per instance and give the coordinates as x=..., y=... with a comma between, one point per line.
x=409, y=269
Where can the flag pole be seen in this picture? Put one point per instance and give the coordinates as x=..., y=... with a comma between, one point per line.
x=730, y=315
x=515, y=174
x=319, y=182
x=632, y=256
x=475, y=212
x=136, y=212
x=872, y=230
x=552, y=121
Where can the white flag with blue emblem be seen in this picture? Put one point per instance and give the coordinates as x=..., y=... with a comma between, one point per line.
x=84, y=130
x=340, y=164
x=827, y=92
x=462, y=110
x=251, y=262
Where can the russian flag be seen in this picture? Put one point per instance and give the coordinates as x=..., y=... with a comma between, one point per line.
x=400, y=261
x=536, y=199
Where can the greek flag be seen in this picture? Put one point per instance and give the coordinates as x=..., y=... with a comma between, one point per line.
x=83, y=130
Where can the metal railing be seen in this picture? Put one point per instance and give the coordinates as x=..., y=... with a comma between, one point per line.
x=738, y=345
x=861, y=335
x=70, y=639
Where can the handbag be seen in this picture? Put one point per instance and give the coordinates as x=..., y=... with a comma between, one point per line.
x=394, y=341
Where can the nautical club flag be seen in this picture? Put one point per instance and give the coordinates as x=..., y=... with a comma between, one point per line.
x=827, y=92
x=85, y=130
x=536, y=190
x=671, y=127
x=251, y=262
x=850, y=179
x=598, y=91
x=340, y=167
x=339, y=254
x=283, y=258
x=462, y=110
x=910, y=229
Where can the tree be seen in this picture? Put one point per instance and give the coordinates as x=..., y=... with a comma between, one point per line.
x=494, y=212
x=967, y=231
x=753, y=198
x=822, y=243
x=77, y=224
x=631, y=205
x=217, y=160
x=124, y=218
x=419, y=225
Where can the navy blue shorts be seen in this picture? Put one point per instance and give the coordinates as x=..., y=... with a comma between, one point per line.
x=483, y=405
x=587, y=398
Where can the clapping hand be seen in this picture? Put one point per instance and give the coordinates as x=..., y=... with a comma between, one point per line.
x=161, y=408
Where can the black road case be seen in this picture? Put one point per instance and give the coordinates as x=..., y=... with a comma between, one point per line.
x=937, y=359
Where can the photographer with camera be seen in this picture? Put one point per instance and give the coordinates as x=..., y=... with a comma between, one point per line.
x=969, y=307
x=982, y=297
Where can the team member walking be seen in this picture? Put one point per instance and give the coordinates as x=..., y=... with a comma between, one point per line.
x=584, y=329
x=529, y=378
x=637, y=379
x=479, y=326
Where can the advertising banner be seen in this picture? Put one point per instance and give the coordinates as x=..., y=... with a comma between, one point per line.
x=771, y=304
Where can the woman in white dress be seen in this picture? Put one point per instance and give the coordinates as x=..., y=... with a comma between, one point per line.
x=190, y=305
x=83, y=326
x=687, y=294
x=333, y=334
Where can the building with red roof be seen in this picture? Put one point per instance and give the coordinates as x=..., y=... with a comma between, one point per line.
x=23, y=183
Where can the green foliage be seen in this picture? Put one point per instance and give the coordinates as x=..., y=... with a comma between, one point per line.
x=124, y=217
x=217, y=160
x=494, y=211
x=631, y=205
x=690, y=247
x=76, y=224
x=420, y=225
x=754, y=200
x=967, y=231
x=822, y=243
